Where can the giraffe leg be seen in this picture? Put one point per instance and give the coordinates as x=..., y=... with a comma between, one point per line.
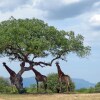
x=45, y=86
x=68, y=87
x=37, y=84
x=60, y=86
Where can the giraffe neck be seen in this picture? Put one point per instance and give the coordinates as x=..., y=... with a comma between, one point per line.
x=11, y=72
x=36, y=72
x=59, y=70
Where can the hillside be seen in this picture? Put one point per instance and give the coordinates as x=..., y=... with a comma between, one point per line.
x=80, y=83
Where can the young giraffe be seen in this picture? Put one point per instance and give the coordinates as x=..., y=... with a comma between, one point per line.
x=14, y=78
x=40, y=78
x=63, y=78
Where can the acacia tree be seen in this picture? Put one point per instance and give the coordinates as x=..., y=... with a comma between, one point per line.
x=28, y=39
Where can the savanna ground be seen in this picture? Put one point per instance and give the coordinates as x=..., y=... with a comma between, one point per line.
x=95, y=96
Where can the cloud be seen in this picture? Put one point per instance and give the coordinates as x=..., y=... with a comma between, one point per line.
x=10, y=5
x=23, y=12
x=97, y=4
x=95, y=21
x=61, y=9
x=69, y=1
x=50, y=9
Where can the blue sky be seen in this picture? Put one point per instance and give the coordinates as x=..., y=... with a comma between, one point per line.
x=80, y=16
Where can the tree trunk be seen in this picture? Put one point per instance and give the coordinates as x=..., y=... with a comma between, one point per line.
x=18, y=82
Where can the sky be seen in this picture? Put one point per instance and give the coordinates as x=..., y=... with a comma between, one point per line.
x=80, y=16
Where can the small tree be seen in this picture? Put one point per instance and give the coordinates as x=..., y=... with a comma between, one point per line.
x=26, y=40
x=97, y=87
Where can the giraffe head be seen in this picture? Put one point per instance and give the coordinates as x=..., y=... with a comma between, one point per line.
x=57, y=63
x=4, y=63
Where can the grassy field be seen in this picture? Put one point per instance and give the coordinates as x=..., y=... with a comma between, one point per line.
x=50, y=97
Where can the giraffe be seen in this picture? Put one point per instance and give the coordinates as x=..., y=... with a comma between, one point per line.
x=40, y=78
x=14, y=78
x=63, y=78
x=11, y=72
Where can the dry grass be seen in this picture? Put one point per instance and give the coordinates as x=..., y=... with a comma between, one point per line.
x=50, y=97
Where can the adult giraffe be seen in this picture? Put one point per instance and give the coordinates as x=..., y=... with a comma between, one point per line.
x=14, y=78
x=40, y=78
x=63, y=78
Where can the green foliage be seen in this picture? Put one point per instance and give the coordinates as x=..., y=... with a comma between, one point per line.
x=97, y=87
x=86, y=90
x=52, y=82
x=4, y=82
x=33, y=36
x=32, y=89
x=72, y=86
x=91, y=90
x=83, y=90
x=5, y=86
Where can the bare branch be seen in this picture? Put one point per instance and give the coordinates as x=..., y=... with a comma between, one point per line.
x=41, y=65
x=46, y=64
x=55, y=59
x=63, y=59
x=34, y=57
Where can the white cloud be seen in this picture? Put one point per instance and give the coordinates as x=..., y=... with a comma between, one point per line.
x=95, y=20
x=62, y=9
x=69, y=1
x=97, y=4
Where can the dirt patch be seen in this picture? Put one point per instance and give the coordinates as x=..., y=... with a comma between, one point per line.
x=1, y=99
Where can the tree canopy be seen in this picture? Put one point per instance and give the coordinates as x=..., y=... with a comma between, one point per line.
x=29, y=39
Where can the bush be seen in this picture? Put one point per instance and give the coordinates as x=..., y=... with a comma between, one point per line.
x=83, y=90
x=31, y=89
x=5, y=86
x=53, y=84
x=86, y=90
x=91, y=90
x=97, y=87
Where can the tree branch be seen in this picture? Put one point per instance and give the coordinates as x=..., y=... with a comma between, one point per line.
x=23, y=68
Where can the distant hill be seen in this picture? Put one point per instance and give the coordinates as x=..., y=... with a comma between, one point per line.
x=79, y=83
